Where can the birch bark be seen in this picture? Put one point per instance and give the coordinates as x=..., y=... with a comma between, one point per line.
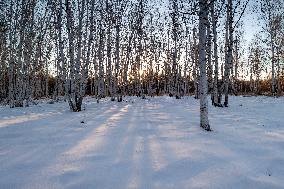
x=204, y=121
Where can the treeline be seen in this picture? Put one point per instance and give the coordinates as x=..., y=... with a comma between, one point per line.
x=156, y=86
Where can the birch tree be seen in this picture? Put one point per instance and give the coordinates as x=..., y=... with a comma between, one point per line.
x=204, y=8
x=228, y=50
x=75, y=82
x=270, y=11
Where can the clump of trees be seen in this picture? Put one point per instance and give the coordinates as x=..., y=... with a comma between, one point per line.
x=141, y=47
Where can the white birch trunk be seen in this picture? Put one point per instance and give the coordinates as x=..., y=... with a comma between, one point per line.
x=216, y=61
x=229, y=55
x=204, y=121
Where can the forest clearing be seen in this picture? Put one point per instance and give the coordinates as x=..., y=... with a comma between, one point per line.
x=141, y=94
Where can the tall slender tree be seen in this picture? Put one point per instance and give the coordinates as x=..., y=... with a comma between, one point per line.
x=203, y=12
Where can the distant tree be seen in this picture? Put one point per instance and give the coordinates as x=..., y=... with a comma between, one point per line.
x=272, y=13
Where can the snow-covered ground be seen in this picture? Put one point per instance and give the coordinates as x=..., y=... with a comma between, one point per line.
x=153, y=143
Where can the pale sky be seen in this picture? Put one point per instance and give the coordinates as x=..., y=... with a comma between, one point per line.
x=251, y=22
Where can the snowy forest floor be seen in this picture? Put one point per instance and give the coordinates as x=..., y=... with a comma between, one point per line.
x=143, y=143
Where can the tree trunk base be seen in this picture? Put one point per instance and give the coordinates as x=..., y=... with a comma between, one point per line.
x=206, y=127
x=217, y=104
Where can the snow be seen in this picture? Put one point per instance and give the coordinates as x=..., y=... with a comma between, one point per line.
x=143, y=143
